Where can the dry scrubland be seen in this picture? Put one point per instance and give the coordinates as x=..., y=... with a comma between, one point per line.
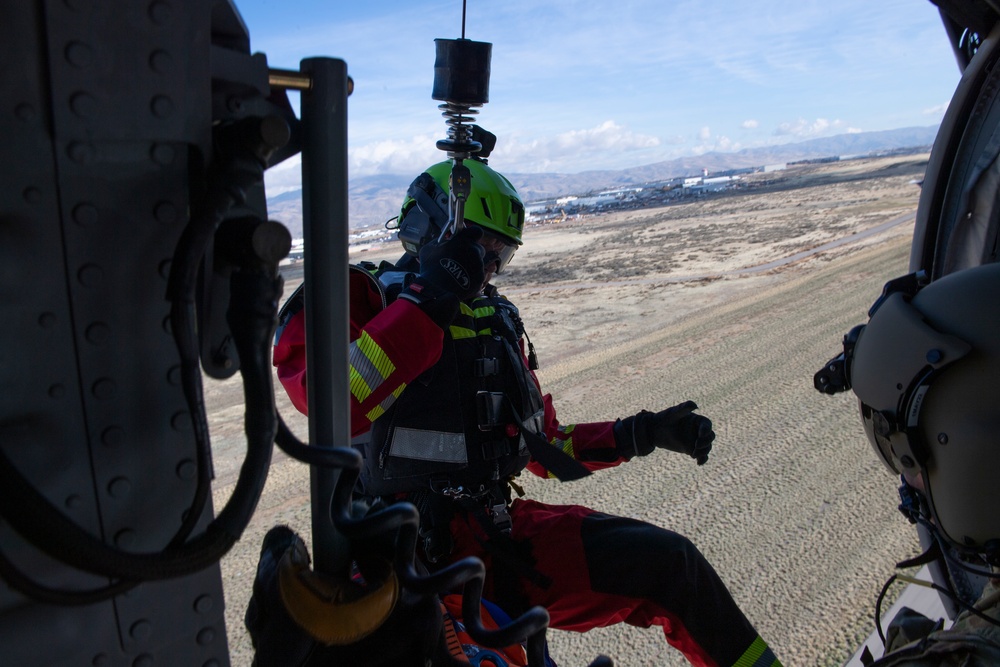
x=645, y=309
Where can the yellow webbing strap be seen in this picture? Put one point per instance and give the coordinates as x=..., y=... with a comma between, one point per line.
x=331, y=610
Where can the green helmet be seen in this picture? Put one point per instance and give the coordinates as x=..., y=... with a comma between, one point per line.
x=493, y=204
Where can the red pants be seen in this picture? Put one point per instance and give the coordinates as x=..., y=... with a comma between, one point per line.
x=593, y=570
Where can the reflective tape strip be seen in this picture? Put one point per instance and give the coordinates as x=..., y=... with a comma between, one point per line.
x=369, y=366
x=386, y=403
x=758, y=655
x=478, y=311
x=459, y=333
x=565, y=444
x=438, y=446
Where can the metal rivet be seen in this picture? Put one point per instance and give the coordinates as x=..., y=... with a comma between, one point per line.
x=161, y=106
x=206, y=636
x=47, y=320
x=186, y=469
x=85, y=214
x=80, y=153
x=119, y=487
x=74, y=501
x=57, y=391
x=180, y=421
x=90, y=275
x=79, y=54
x=113, y=436
x=160, y=62
x=125, y=538
x=174, y=375
x=32, y=195
x=141, y=629
x=83, y=105
x=160, y=12
x=942, y=438
x=165, y=212
x=934, y=356
x=104, y=389
x=204, y=604
x=162, y=154
x=98, y=333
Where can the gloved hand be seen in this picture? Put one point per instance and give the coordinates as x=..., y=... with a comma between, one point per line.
x=456, y=264
x=450, y=271
x=677, y=429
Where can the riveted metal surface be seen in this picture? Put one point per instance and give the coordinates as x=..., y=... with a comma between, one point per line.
x=106, y=122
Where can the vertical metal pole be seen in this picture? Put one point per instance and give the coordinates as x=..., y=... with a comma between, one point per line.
x=324, y=203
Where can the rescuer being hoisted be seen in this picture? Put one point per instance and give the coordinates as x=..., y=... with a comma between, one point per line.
x=447, y=411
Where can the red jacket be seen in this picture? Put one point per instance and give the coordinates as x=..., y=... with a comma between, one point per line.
x=400, y=342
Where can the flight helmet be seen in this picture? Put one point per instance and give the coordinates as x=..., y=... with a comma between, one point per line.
x=493, y=205
x=925, y=370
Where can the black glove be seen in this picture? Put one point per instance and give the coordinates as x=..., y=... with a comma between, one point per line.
x=677, y=429
x=449, y=271
x=455, y=265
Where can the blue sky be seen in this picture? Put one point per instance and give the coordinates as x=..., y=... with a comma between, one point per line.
x=611, y=84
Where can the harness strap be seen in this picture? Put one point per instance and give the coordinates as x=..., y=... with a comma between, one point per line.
x=555, y=460
x=499, y=544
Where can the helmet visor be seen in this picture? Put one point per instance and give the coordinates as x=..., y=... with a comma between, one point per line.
x=498, y=248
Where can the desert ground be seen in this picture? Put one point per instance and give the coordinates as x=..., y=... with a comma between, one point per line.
x=733, y=301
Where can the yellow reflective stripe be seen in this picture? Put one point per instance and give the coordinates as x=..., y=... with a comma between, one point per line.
x=479, y=311
x=458, y=333
x=369, y=367
x=758, y=655
x=564, y=444
x=359, y=388
x=380, y=409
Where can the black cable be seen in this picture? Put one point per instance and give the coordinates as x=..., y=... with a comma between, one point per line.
x=878, y=608
x=28, y=587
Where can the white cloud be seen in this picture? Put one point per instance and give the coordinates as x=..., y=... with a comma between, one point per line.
x=391, y=156
x=802, y=128
x=284, y=177
x=937, y=110
x=572, y=150
x=704, y=134
x=749, y=124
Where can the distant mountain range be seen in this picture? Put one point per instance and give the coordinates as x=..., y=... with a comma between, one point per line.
x=375, y=199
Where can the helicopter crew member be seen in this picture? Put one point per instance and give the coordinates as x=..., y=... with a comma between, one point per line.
x=924, y=369
x=444, y=396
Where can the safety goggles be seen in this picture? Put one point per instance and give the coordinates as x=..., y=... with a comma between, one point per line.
x=498, y=248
